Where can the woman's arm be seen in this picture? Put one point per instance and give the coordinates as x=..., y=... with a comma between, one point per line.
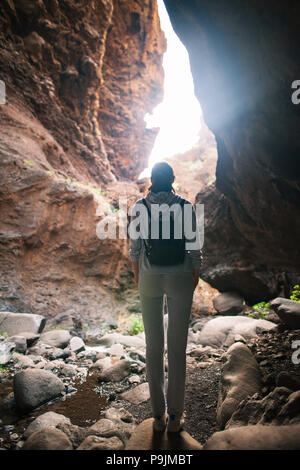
x=135, y=248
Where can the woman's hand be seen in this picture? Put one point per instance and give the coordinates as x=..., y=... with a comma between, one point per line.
x=196, y=273
x=135, y=269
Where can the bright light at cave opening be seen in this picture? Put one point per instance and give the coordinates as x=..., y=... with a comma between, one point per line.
x=178, y=116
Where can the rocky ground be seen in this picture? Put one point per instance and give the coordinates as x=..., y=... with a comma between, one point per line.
x=58, y=392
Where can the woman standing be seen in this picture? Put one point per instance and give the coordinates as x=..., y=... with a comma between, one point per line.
x=177, y=282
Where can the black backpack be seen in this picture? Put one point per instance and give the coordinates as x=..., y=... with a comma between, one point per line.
x=165, y=252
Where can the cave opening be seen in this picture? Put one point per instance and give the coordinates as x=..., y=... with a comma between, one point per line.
x=183, y=138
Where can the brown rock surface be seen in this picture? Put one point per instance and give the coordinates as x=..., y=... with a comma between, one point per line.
x=256, y=437
x=79, y=77
x=243, y=64
x=48, y=439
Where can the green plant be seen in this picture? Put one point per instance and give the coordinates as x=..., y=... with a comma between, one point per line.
x=3, y=370
x=29, y=162
x=4, y=335
x=295, y=294
x=136, y=324
x=262, y=308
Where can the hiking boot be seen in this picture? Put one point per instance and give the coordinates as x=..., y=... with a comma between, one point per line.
x=160, y=423
x=175, y=424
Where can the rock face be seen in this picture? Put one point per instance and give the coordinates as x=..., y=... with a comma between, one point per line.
x=252, y=213
x=79, y=79
x=195, y=169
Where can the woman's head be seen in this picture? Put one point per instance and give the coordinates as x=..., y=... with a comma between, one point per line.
x=162, y=177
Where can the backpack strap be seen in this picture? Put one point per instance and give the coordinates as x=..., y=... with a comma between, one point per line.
x=149, y=213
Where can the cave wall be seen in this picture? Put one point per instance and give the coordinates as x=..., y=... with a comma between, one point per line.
x=80, y=76
x=244, y=58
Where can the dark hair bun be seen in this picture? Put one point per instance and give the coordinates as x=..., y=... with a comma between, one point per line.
x=162, y=177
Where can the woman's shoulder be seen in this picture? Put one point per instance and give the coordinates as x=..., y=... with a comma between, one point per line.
x=183, y=200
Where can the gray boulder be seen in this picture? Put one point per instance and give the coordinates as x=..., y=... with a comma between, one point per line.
x=33, y=387
x=288, y=311
x=56, y=338
x=15, y=323
x=240, y=379
x=229, y=303
x=222, y=331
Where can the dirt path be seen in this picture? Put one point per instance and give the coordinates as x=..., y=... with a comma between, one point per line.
x=200, y=402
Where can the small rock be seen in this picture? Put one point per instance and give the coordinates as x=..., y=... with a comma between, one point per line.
x=59, y=353
x=134, y=379
x=56, y=338
x=116, y=350
x=46, y=420
x=203, y=365
x=22, y=362
x=68, y=370
x=20, y=343
x=288, y=311
x=229, y=303
x=118, y=414
x=76, y=434
x=104, y=428
x=118, y=371
x=76, y=344
x=138, y=394
x=48, y=439
x=101, y=443
x=129, y=341
x=5, y=352
x=285, y=379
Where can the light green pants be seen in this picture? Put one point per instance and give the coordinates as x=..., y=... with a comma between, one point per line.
x=179, y=289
